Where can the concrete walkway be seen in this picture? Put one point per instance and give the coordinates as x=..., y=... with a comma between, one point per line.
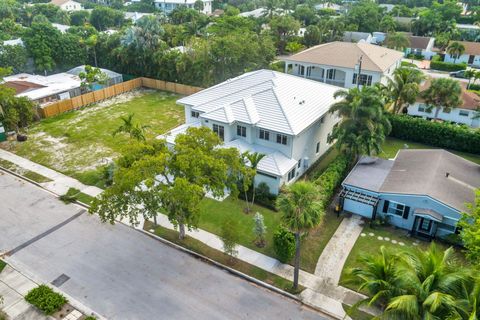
x=60, y=183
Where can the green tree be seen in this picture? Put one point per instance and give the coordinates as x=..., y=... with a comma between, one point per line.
x=253, y=159
x=198, y=5
x=470, y=233
x=312, y=36
x=388, y=24
x=103, y=18
x=259, y=230
x=366, y=15
x=443, y=94
x=150, y=177
x=404, y=87
x=301, y=211
x=14, y=57
x=283, y=28
x=79, y=18
x=91, y=43
x=397, y=41
x=364, y=125
x=230, y=236
x=91, y=76
x=469, y=74
x=134, y=130
x=455, y=49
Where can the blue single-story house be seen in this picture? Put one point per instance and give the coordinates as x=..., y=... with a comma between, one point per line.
x=423, y=191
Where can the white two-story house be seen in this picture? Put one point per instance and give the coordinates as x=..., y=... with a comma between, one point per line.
x=467, y=113
x=282, y=116
x=167, y=6
x=338, y=63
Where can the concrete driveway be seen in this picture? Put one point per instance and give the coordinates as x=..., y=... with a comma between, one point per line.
x=119, y=272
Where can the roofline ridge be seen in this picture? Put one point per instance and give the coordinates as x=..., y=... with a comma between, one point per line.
x=281, y=108
x=371, y=60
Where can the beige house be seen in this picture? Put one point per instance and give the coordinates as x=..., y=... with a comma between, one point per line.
x=67, y=5
x=338, y=63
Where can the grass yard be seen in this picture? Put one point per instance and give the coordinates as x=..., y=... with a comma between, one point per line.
x=26, y=173
x=214, y=213
x=392, y=145
x=371, y=245
x=80, y=143
x=203, y=249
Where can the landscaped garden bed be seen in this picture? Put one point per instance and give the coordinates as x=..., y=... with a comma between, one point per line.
x=46, y=300
x=80, y=143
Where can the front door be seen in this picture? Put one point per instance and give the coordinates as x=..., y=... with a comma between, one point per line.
x=424, y=227
x=471, y=58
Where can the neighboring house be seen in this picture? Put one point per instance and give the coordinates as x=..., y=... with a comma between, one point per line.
x=354, y=36
x=257, y=13
x=337, y=63
x=465, y=114
x=113, y=77
x=332, y=6
x=44, y=89
x=471, y=56
x=423, y=191
x=14, y=42
x=388, y=7
x=63, y=28
x=378, y=37
x=282, y=116
x=421, y=46
x=135, y=16
x=167, y=6
x=67, y=5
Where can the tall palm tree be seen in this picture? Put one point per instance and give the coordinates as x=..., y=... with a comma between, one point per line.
x=404, y=87
x=469, y=74
x=443, y=93
x=254, y=158
x=397, y=41
x=302, y=210
x=455, y=49
x=364, y=125
x=91, y=43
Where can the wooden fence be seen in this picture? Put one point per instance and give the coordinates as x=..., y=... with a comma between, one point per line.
x=105, y=93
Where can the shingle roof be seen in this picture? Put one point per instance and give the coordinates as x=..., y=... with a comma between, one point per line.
x=369, y=173
x=346, y=54
x=423, y=172
x=58, y=2
x=268, y=99
x=419, y=42
x=470, y=100
x=472, y=48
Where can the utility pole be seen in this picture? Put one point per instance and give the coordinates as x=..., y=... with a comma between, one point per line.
x=359, y=71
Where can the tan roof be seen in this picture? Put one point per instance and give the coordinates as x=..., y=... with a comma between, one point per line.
x=470, y=100
x=346, y=54
x=22, y=86
x=472, y=48
x=58, y=2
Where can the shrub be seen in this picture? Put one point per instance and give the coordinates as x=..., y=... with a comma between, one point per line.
x=408, y=64
x=474, y=87
x=90, y=318
x=332, y=177
x=45, y=299
x=284, y=244
x=447, y=66
x=437, y=134
x=230, y=236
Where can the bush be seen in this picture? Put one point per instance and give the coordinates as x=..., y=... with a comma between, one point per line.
x=45, y=299
x=447, y=66
x=263, y=197
x=474, y=87
x=230, y=236
x=332, y=177
x=415, y=56
x=408, y=64
x=284, y=244
x=437, y=134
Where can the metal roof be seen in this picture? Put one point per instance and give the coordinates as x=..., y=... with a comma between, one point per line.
x=267, y=99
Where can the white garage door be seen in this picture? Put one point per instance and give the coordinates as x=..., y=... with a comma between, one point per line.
x=362, y=209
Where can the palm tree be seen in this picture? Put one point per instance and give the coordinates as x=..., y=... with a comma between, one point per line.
x=364, y=125
x=469, y=74
x=136, y=131
x=443, y=93
x=302, y=210
x=455, y=49
x=404, y=87
x=254, y=158
x=91, y=43
x=397, y=41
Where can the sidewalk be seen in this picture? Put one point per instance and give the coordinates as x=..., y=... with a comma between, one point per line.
x=60, y=183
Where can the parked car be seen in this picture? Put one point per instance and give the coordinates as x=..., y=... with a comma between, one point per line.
x=458, y=74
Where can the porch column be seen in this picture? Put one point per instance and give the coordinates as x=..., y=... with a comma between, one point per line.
x=286, y=67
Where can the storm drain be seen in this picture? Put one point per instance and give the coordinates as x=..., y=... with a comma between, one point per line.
x=60, y=280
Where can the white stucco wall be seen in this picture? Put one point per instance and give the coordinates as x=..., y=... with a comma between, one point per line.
x=462, y=59
x=453, y=116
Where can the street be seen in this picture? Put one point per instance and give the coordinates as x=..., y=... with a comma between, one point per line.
x=118, y=271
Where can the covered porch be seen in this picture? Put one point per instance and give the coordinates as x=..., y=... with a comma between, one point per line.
x=425, y=223
x=328, y=75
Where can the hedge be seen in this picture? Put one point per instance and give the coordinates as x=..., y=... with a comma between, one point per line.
x=447, y=66
x=437, y=134
x=45, y=299
x=332, y=177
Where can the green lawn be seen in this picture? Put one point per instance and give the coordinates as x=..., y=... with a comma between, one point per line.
x=26, y=173
x=371, y=245
x=203, y=249
x=80, y=143
x=392, y=145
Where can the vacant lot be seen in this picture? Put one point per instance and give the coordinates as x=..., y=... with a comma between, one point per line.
x=80, y=143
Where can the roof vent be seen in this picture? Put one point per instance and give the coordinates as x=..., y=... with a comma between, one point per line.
x=447, y=174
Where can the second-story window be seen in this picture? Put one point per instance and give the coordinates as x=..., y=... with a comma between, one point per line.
x=195, y=114
x=264, y=135
x=219, y=130
x=282, y=139
x=317, y=149
x=241, y=131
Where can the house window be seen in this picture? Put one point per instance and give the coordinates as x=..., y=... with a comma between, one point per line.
x=331, y=74
x=396, y=209
x=464, y=113
x=425, y=225
x=299, y=164
x=219, y=130
x=364, y=79
x=282, y=139
x=264, y=135
x=195, y=114
x=446, y=227
x=241, y=131
x=317, y=149
x=421, y=108
x=291, y=174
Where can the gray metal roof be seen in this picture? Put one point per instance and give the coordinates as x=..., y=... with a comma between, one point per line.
x=369, y=173
x=423, y=172
x=76, y=71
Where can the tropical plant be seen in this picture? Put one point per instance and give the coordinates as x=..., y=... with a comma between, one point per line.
x=253, y=159
x=259, y=229
x=230, y=236
x=469, y=74
x=301, y=211
x=470, y=234
x=404, y=87
x=134, y=130
x=364, y=125
x=284, y=244
x=455, y=49
x=397, y=41
x=92, y=76
x=442, y=94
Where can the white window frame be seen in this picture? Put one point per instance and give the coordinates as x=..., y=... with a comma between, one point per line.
x=396, y=211
x=463, y=113
x=264, y=134
x=291, y=174
x=241, y=131
x=194, y=114
x=282, y=139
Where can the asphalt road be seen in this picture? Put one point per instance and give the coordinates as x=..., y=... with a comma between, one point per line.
x=119, y=272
